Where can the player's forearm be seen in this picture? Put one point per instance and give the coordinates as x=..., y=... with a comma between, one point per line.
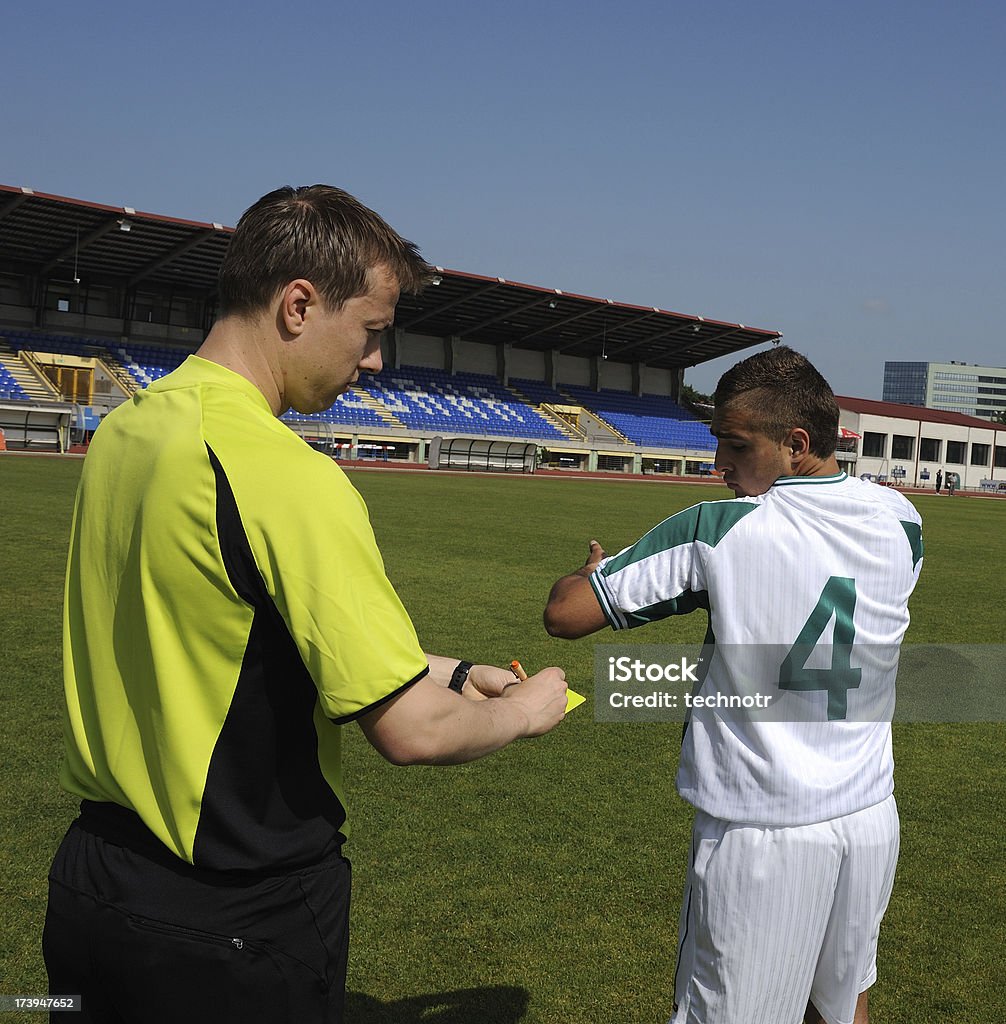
x=573, y=610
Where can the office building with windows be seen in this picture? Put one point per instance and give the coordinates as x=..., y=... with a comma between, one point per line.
x=950, y=387
x=906, y=445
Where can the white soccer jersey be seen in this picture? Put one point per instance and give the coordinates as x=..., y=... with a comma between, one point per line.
x=807, y=588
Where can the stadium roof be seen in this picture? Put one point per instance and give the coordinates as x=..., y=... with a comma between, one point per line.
x=494, y=310
x=912, y=412
x=51, y=236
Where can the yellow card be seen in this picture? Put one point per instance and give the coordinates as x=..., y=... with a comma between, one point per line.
x=573, y=700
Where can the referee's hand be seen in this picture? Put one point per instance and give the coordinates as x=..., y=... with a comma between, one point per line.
x=542, y=698
x=487, y=681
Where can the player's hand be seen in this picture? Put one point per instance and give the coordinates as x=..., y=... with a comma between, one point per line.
x=487, y=681
x=542, y=698
x=596, y=554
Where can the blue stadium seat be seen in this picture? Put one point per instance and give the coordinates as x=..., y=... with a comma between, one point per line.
x=466, y=403
x=655, y=421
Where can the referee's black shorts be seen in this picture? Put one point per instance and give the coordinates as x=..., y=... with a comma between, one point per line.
x=149, y=941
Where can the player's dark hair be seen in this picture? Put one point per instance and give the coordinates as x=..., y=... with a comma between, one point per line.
x=321, y=234
x=780, y=389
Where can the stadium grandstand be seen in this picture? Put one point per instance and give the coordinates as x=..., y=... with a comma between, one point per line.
x=97, y=302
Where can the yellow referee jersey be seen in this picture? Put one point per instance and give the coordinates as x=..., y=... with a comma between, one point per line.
x=226, y=607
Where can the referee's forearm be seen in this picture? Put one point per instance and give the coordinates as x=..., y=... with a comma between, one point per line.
x=427, y=724
x=465, y=731
x=441, y=668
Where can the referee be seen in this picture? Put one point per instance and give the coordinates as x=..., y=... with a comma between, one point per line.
x=226, y=611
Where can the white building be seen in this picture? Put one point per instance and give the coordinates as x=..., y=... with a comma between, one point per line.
x=906, y=445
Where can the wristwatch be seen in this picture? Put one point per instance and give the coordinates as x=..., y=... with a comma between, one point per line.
x=457, y=682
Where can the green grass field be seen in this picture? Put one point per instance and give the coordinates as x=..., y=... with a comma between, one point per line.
x=542, y=884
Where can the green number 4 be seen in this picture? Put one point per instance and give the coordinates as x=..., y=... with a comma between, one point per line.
x=838, y=599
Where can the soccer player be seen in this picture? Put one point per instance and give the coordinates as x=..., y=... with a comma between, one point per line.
x=226, y=612
x=806, y=576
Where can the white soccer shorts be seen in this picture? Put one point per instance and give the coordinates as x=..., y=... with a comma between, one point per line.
x=774, y=917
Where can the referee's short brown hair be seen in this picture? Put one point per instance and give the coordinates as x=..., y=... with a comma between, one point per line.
x=321, y=234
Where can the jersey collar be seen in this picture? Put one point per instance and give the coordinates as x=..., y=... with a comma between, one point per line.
x=793, y=481
x=196, y=371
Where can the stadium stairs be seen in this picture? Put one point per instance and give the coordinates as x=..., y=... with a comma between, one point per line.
x=590, y=424
x=122, y=376
x=572, y=432
x=24, y=379
x=147, y=363
x=547, y=403
x=112, y=386
x=367, y=400
x=599, y=430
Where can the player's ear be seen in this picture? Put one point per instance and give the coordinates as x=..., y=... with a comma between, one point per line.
x=798, y=443
x=295, y=301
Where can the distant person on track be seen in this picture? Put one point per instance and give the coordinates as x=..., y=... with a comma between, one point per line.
x=939, y=480
x=227, y=610
x=796, y=833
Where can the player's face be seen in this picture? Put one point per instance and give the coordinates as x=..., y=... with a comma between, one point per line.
x=341, y=344
x=749, y=461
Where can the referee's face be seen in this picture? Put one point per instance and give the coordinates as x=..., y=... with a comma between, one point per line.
x=749, y=461
x=337, y=345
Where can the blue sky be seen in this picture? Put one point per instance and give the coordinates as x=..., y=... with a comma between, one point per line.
x=831, y=170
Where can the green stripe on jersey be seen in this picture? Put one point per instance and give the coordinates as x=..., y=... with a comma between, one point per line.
x=684, y=603
x=914, y=531
x=708, y=523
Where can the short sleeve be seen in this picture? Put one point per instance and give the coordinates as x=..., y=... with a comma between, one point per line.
x=312, y=541
x=663, y=573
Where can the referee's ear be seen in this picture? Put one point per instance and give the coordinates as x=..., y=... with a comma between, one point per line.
x=293, y=305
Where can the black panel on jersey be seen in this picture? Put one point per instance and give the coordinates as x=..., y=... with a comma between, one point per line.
x=266, y=801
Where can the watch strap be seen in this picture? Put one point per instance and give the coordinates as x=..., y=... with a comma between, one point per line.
x=457, y=682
